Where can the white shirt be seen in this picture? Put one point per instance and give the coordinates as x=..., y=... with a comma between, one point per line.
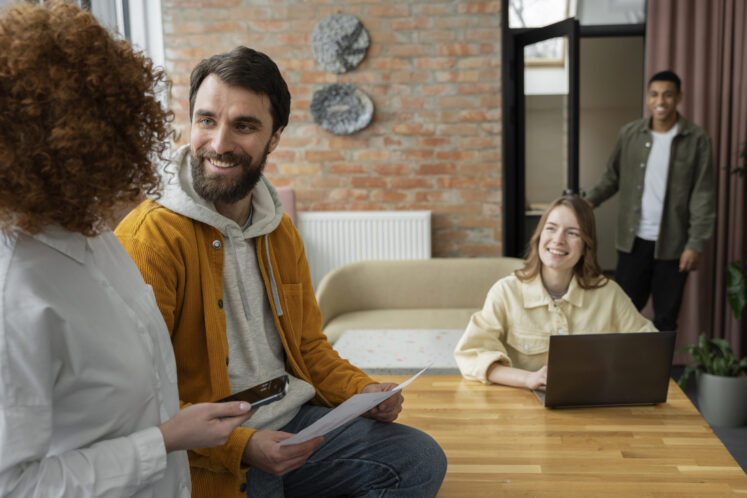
x=87, y=373
x=655, y=184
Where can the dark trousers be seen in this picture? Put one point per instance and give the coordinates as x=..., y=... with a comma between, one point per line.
x=640, y=275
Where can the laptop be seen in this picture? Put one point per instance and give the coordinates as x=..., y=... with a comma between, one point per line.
x=608, y=369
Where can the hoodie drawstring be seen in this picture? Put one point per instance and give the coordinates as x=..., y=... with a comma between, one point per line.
x=242, y=290
x=273, y=285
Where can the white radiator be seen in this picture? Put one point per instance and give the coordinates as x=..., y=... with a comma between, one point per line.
x=334, y=238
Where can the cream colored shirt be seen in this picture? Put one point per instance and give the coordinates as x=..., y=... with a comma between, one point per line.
x=517, y=320
x=87, y=373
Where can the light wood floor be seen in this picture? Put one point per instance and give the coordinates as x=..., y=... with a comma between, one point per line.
x=500, y=441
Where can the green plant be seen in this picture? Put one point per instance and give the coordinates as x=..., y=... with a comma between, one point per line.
x=740, y=170
x=713, y=356
x=736, y=290
x=736, y=287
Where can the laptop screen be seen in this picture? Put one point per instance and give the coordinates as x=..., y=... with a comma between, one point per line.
x=609, y=369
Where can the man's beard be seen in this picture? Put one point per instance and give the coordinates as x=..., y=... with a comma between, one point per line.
x=225, y=190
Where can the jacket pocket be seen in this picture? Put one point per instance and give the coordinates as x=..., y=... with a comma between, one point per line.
x=528, y=343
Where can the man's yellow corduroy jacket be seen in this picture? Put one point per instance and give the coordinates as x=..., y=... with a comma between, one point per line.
x=182, y=259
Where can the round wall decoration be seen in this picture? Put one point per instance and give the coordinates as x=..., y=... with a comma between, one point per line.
x=341, y=109
x=339, y=42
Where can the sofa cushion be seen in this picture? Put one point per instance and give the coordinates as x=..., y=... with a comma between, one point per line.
x=445, y=318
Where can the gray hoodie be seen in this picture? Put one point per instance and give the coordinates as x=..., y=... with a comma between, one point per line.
x=255, y=352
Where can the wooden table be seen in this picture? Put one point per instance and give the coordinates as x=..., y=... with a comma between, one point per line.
x=501, y=442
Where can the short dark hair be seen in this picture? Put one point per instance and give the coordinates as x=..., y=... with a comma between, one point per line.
x=246, y=68
x=666, y=76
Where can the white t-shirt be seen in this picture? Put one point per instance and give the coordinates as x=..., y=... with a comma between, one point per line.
x=88, y=373
x=655, y=184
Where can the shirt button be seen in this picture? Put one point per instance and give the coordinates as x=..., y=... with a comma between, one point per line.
x=526, y=347
x=216, y=244
x=220, y=303
x=638, y=187
x=242, y=488
x=561, y=331
x=643, y=165
x=648, y=144
x=226, y=360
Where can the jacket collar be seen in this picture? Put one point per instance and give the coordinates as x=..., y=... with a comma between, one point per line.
x=684, y=126
x=535, y=294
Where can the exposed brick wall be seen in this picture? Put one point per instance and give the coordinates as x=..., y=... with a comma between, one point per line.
x=433, y=72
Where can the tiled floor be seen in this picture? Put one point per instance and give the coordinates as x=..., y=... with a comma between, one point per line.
x=734, y=438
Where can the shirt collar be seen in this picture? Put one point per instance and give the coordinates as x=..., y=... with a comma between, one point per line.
x=683, y=125
x=535, y=294
x=71, y=244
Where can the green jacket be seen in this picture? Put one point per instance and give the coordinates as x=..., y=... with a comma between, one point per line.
x=689, y=210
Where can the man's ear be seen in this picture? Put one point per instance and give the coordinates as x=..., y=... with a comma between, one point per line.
x=679, y=97
x=275, y=139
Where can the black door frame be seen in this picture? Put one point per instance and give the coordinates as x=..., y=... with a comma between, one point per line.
x=513, y=108
x=514, y=118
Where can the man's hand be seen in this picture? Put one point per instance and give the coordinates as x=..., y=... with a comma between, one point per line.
x=389, y=409
x=689, y=260
x=537, y=379
x=263, y=452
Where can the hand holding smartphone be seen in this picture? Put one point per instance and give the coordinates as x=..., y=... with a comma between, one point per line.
x=261, y=394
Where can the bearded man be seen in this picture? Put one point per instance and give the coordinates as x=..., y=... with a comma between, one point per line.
x=231, y=279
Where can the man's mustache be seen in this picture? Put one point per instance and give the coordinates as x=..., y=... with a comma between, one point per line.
x=226, y=157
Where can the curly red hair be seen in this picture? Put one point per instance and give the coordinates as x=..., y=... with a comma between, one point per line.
x=80, y=126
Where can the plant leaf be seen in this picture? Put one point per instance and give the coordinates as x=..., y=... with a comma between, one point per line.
x=682, y=381
x=736, y=291
x=723, y=347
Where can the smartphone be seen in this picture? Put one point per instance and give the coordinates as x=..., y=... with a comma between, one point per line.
x=261, y=394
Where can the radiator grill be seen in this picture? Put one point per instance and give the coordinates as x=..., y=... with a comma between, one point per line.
x=335, y=238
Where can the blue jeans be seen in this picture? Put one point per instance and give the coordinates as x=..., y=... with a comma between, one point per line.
x=362, y=458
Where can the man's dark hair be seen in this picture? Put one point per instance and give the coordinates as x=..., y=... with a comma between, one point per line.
x=245, y=68
x=666, y=76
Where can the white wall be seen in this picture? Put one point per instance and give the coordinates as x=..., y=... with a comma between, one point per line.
x=611, y=95
x=546, y=151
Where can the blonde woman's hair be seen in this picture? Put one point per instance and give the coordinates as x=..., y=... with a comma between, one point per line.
x=587, y=270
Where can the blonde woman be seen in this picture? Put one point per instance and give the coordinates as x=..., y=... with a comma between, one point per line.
x=559, y=290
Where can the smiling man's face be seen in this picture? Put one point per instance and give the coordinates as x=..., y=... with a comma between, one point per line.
x=662, y=99
x=230, y=140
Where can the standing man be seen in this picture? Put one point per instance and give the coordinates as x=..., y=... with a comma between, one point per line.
x=231, y=279
x=662, y=167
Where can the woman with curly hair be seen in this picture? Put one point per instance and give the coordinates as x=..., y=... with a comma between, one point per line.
x=88, y=394
x=559, y=290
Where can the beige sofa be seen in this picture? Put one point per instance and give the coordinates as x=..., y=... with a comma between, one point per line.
x=438, y=293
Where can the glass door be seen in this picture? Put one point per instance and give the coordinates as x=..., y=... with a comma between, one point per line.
x=541, y=160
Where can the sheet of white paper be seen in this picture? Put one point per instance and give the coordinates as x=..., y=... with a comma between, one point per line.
x=345, y=412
